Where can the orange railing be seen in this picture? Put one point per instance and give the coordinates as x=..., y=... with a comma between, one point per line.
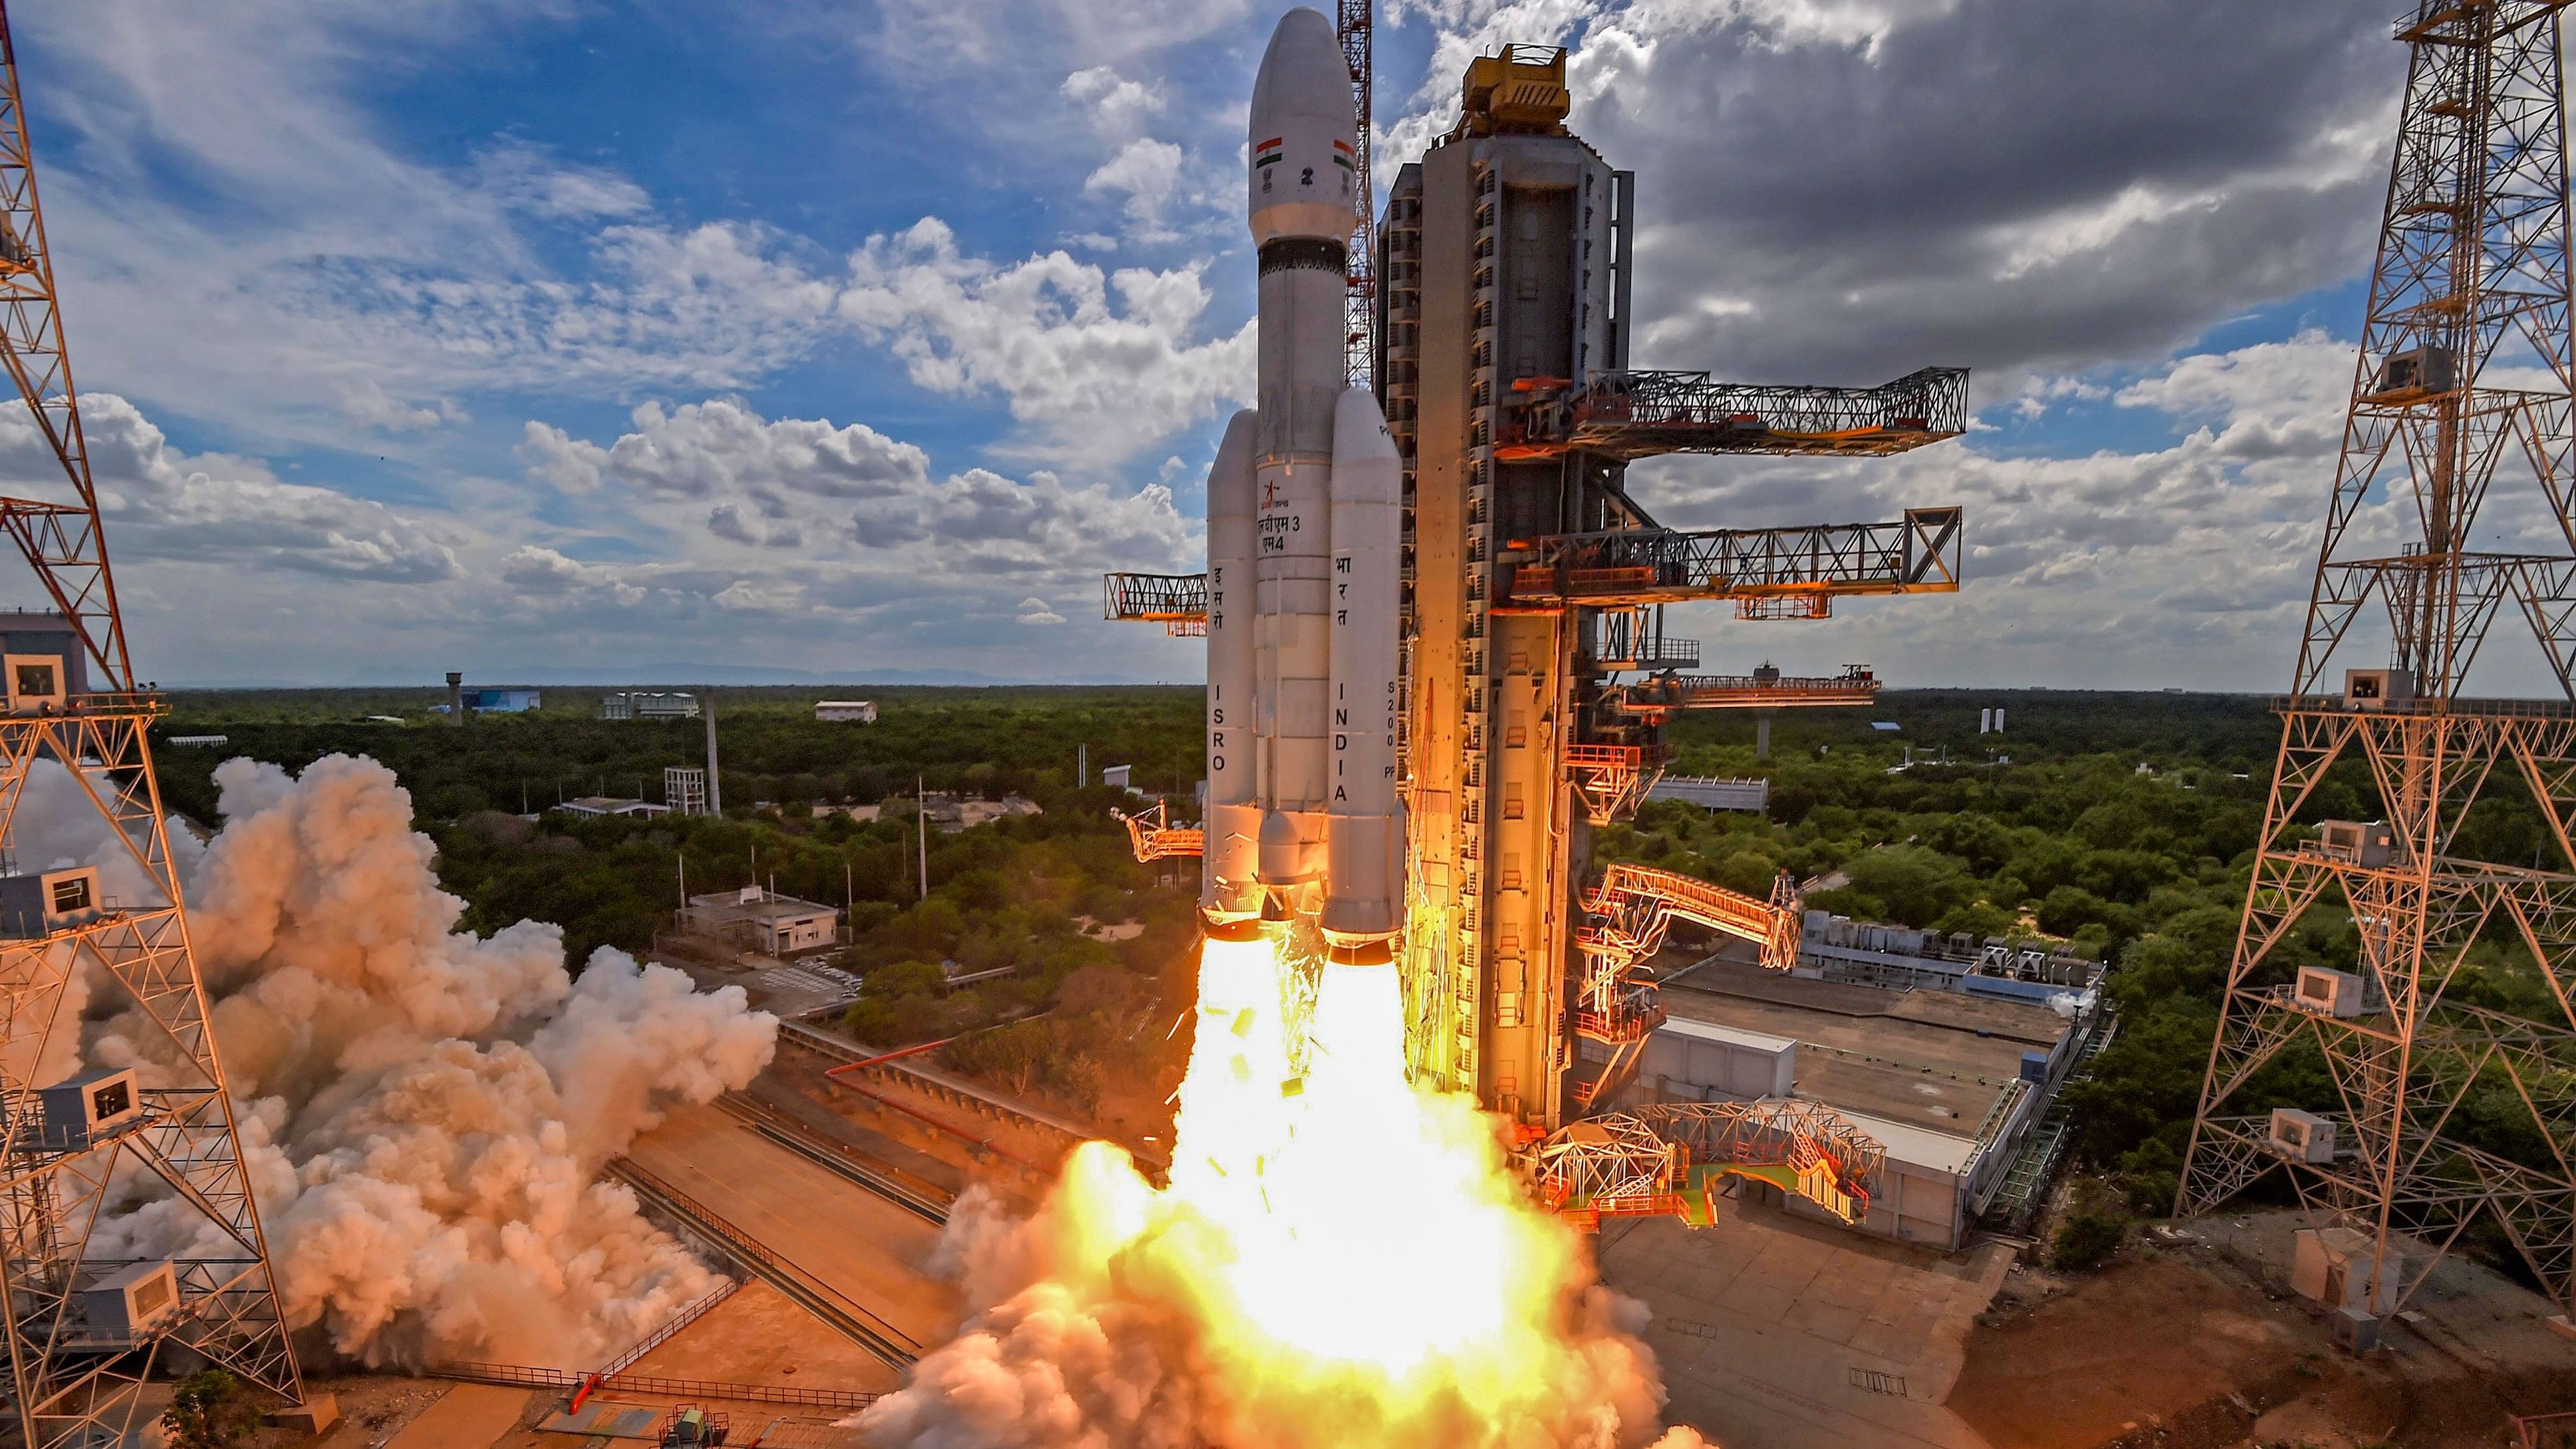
x=1153, y=839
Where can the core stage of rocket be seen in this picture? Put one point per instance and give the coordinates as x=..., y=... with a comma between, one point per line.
x=1303, y=542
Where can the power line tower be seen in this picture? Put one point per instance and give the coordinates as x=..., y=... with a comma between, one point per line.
x=87, y=1322
x=2472, y=279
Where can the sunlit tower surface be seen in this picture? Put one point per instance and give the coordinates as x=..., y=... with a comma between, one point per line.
x=2471, y=287
x=87, y=1324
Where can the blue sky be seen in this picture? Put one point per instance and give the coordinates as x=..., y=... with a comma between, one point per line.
x=848, y=338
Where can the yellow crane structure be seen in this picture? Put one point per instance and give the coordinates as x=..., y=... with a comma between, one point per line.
x=1627, y=917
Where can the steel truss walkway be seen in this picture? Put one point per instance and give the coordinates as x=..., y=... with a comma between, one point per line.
x=1630, y=913
x=1659, y=696
x=1153, y=838
x=1668, y=1159
x=1631, y=415
x=1768, y=572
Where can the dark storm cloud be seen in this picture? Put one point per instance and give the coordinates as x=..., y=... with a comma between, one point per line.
x=2007, y=184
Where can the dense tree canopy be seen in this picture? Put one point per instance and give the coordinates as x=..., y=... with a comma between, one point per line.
x=2123, y=825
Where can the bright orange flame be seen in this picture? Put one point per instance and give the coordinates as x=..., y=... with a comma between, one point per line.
x=1348, y=1260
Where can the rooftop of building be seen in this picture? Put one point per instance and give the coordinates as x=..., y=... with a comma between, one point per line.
x=766, y=906
x=610, y=805
x=1937, y=1060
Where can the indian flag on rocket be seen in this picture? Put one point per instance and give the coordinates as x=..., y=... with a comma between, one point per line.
x=1266, y=153
x=1344, y=157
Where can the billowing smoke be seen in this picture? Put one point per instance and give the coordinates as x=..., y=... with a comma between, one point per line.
x=1337, y=1260
x=424, y=1112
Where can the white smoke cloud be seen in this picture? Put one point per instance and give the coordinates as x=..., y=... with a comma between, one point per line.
x=424, y=1113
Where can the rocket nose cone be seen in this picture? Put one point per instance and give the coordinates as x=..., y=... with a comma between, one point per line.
x=1302, y=74
x=1304, y=174
x=1359, y=428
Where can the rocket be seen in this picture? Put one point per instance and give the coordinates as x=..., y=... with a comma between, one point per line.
x=1303, y=546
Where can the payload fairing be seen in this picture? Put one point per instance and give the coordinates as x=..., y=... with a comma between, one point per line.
x=1303, y=550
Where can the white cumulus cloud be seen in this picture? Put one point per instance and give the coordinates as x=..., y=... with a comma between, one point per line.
x=1096, y=365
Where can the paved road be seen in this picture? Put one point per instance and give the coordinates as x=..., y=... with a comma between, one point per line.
x=865, y=1248
x=468, y=1416
x=1793, y=1335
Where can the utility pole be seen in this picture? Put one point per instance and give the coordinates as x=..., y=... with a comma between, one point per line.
x=715, y=790
x=2473, y=267
x=921, y=821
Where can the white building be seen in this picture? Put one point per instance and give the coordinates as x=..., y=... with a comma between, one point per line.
x=845, y=711
x=1954, y=1084
x=1713, y=792
x=764, y=920
x=595, y=807
x=648, y=704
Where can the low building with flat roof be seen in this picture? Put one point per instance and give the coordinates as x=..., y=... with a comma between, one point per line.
x=648, y=704
x=763, y=920
x=1714, y=792
x=1952, y=1083
x=595, y=807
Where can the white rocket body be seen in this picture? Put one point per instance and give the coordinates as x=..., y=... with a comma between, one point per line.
x=1316, y=828
x=1233, y=823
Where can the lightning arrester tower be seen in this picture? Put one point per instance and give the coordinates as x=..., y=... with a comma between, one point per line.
x=2472, y=281
x=87, y=1323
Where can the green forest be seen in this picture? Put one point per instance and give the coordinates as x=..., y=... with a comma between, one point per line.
x=2123, y=824
x=1014, y=892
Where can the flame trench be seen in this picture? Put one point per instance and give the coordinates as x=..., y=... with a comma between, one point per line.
x=1337, y=1260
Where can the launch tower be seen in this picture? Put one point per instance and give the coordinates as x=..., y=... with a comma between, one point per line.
x=89, y=1317
x=1535, y=671
x=2471, y=295
x=1538, y=669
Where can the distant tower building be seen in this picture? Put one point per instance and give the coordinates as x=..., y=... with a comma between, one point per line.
x=684, y=789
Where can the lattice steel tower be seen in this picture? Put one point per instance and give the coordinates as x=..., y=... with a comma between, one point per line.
x=2472, y=280
x=87, y=1323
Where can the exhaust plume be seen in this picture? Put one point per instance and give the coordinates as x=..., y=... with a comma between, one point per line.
x=1338, y=1260
x=424, y=1113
